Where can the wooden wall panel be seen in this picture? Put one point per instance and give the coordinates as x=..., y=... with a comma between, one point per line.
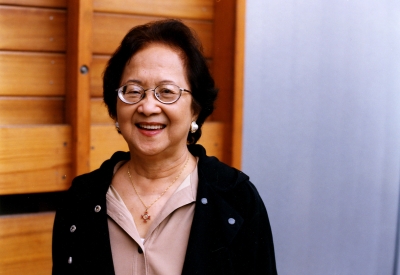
x=99, y=63
x=213, y=138
x=237, y=126
x=37, y=3
x=32, y=29
x=223, y=52
x=109, y=29
x=79, y=52
x=104, y=142
x=35, y=159
x=32, y=74
x=31, y=110
x=26, y=244
x=99, y=112
x=194, y=9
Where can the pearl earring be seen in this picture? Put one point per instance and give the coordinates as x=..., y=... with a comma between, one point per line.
x=193, y=127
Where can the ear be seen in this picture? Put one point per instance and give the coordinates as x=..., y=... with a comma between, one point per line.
x=194, y=117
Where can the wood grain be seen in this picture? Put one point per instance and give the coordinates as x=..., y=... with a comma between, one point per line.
x=213, y=138
x=104, y=142
x=35, y=159
x=238, y=84
x=110, y=29
x=32, y=29
x=79, y=54
x=99, y=63
x=223, y=53
x=26, y=244
x=193, y=9
x=37, y=3
x=99, y=112
x=31, y=110
x=32, y=74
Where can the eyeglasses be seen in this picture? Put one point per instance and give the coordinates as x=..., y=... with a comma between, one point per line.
x=132, y=93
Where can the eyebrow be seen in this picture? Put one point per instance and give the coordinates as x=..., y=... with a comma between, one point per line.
x=133, y=81
x=136, y=81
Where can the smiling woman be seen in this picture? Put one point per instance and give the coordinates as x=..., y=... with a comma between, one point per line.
x=151, y=127
x=164, y=207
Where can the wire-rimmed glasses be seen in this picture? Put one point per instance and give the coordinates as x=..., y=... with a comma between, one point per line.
x=132, y=93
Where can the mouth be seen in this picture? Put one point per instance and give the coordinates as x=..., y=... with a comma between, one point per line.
x=150, y=126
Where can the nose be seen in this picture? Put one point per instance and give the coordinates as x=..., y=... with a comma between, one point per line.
x=149, y=104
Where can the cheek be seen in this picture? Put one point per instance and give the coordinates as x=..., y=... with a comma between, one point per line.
x=123, y=111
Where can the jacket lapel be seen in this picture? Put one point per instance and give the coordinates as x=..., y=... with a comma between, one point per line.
x=215, y=224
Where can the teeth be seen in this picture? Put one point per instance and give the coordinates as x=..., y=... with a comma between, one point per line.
x=151, y=127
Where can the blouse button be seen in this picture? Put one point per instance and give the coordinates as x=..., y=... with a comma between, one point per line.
x=204, y=201
x=72, y=229
x=97, y=208
x=231, y=221
x=70, y=260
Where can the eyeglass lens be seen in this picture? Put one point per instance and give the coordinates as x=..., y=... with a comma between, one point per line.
x=166, y=93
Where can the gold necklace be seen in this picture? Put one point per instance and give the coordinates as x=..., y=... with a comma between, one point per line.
x=146, y=216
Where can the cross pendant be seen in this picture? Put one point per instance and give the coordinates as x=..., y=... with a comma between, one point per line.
x=145, y=216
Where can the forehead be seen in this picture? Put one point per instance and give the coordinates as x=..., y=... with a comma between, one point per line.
x=156, y=60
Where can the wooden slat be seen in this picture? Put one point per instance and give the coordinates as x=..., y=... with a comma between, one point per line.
x=32, y=29
x=99, y=63
x=41, y=74
x=31, y=110
x=109, y=29
x=104, y=142
x=238, y=84
x=99, y=112
x=194, y=9
x=79, y=55
x=35, y=159
x=213, y=138
x=26, y=244
x=224, y=29
x=37, y=3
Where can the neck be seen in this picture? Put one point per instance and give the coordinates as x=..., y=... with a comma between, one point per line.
x=153, y=168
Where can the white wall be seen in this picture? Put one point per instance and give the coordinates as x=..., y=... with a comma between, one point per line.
x=322, y=130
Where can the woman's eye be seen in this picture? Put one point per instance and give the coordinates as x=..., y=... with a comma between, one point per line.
x=166, y=91
x=133, y=92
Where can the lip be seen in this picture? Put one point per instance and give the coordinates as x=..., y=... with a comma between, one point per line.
x=150, y=128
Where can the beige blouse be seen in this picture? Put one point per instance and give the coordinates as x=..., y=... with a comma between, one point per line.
x=164, y=247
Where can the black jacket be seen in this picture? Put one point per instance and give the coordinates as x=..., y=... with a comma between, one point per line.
x=230, y=232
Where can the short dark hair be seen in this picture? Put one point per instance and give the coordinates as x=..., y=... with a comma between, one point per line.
x=177, y=35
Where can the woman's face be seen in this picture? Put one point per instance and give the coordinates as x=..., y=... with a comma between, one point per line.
x=149, y=126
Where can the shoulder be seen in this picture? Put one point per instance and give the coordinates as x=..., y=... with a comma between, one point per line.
x=93, y=186
x=230, y=184
x=217, y=172
x=99, y=179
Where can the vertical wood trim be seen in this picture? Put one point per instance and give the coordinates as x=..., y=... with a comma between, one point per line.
x=238, y=83
x=79, y=53
x=223, y=56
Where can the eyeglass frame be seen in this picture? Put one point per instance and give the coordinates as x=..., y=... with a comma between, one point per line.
x=121, y=97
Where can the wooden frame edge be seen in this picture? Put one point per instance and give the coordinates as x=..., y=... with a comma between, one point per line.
x=79, y=57
x=238, y=85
